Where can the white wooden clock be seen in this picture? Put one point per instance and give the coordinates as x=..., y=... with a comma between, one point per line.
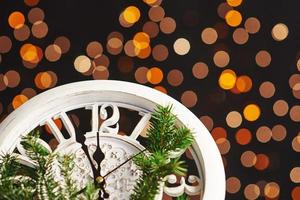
x=97, y=97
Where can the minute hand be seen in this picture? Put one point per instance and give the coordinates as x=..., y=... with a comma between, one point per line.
x=124, y=163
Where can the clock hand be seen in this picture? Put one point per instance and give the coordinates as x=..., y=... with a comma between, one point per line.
x=124, y=163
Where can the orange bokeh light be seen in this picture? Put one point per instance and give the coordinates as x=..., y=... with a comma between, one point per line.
x=243, y=136
x=251, y=112
x=31, y=53
x=243, y=84
x=19, y=100
x=141, y=40
x=16, y=20
x=161, y=88
x=155, y=75
x=218, y=133
x=227, y=79
x=262, y=162
x=131, y=14
x=43, y=80
x=233, y=18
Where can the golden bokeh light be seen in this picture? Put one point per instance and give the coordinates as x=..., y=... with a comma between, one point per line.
x=16, y=19
x=30, y=53
x=233, y=18
x=131, y=14
x=252, y=112
x=234, y=3
x=227, y=79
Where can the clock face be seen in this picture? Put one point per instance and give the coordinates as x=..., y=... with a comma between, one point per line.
x=71, y=116
x=119, y=183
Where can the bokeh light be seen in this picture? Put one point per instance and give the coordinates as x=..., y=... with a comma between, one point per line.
x=233, y=18
x=227, y=79
x=252, y=112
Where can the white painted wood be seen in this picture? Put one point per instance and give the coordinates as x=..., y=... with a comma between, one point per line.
x=41, y=108
x=140, y=126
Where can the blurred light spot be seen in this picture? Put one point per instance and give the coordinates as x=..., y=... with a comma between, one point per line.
x=155, y=75
x=209, y=35
x=94, y=49
x=129, y=48
x=251, y=192
x=12, y=79
x=39, y=29
x=227, y=79
x=151, y=28
x=200, y=70
x=131, y=14
x=251, y=112
x=31, y=2
x=272, y=190
x=262, y=162
x=223, y=145
x=244, y=84
x=233, y=18
x=141, y=40
x=240, y=36
x=295, y=113
x=233, y=185
x=243, y=136
x=234, y=3
x=141, y=75
x=45, y=80
x=161, y=89
x=280, y=108
x=234, y=119
x=101, y=74
x=280, y=32
x=221, y=59
x=218, y=132
x=252, y=25
x=295, y=175
x=30, y=53
x=167, y=25
x=160, y=52
x=267, y=89
x=82, y=64
x=189, y=98
x=16, y=19
x=223, y=8
x=279, y=132
x=143, y=53
x=22, y=34
x=248, y=159
x=181, y=46
x=53, y=53
x=5, y=44
x=19, y=100
x=156, y=13
x=263, y=58
x=28, y=92
x=207, y=121
x=35, y=15
x=64, y=43
x=296, y=193
x=175, y=77
x=263, y=134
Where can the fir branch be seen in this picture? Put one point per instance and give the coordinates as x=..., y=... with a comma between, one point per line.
x=163, y=139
